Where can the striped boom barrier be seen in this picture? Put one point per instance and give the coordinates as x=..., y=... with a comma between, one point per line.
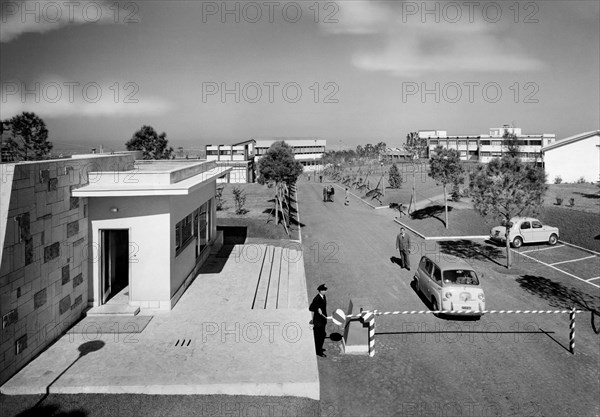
x=369, y=317
x=572, y=332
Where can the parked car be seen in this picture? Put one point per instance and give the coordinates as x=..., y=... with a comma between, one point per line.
x=450, y=283
x=525, y=230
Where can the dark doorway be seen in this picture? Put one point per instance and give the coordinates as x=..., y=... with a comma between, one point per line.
x=114, y=261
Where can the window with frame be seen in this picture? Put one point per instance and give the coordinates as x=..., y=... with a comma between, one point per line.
x=536, y=225
x=525, y=225
x=437, y=274
x=183, y=233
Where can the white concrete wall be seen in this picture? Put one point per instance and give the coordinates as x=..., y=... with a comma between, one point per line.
x=574, y=160
x=148, y=222
x=181, y=206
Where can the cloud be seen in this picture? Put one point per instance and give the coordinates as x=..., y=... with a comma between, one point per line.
x=30, y=16
x=413, y=44
x=59, y=98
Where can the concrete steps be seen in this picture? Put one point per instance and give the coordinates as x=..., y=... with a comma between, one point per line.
x=281, y=279
x=112, y=310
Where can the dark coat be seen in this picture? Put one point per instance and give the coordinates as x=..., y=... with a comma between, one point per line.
x=319, y=302
x=403, y=243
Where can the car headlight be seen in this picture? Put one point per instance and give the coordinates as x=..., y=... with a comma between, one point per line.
x=481, y=296
x=448, y=295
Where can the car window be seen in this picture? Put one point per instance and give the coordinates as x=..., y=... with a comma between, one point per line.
x=428, y=266
x=423, y=264
x=461, y=277
x=536, y=225
x=437, y=274
x=525, y=225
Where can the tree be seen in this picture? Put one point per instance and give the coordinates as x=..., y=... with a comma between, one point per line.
x=511, y=144
x=153, y=145
x=279, y=165
x=28, y=137
x=415, y=147
x=395, y=179
x=507, y=187
x=446, y=168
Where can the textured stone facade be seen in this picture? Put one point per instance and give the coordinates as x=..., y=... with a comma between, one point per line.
x=44, y=259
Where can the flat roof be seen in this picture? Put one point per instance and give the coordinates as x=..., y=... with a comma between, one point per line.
x=149, y=178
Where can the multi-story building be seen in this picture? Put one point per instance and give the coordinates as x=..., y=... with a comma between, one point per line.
x=483, y=148
x=239, y=156
x=309, y=151
x=79, y=232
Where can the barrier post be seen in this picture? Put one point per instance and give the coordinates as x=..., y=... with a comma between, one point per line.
x=572, y=331
x=372, y=335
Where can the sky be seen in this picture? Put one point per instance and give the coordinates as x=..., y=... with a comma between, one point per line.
x=352, y=72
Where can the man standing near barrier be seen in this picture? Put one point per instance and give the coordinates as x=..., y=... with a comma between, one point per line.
x=403, y=246
x=318, y=307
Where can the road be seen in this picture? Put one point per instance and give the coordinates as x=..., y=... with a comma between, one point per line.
x=500, y=365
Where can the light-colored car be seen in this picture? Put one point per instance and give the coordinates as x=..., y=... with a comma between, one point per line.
x=525, y=230
x=451, y=284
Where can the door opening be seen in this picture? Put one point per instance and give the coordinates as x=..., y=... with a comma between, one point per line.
x=114, y=265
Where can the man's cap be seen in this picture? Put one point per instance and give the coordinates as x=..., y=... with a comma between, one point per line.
x=322, y=287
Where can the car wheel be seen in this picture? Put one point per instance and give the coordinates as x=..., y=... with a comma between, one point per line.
x=553, y=239
x=517, y=242
x=434, y=305
x=417, y=286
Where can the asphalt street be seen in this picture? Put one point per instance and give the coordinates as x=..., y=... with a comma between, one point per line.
x=512, y=365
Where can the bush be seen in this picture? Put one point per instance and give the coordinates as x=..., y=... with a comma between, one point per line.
x=571, y=202
x=558, y=179
x=559, y=200
x=240, y=200
x=581, y=180
x=219, y=198
x=455, y=194
x=395, y=179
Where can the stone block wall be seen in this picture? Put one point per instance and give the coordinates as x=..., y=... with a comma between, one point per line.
x=44, y=259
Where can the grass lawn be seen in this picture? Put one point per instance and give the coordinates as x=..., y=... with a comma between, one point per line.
x=425, y=186
x=461, y=221
x=587, y=197
x=259, y=203
x=577, y=227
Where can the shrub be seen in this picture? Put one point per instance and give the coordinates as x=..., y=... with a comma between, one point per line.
x=395, y=179
x=571, y=201
x=219, y=198
x=240, y=200
x=558, y=179
x=581, y=180
x=455, y=194
x=559, y=200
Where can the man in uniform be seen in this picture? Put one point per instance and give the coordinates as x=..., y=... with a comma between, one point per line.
x=403, y=246
x=318, y=307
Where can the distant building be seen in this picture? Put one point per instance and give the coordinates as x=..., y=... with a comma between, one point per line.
x=106, y=232
x=309, y=151
x=393, y=155
x=239, y=156
x=483, y=148
x=573, y=158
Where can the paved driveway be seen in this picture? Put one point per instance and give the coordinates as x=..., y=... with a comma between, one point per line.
x=499, y=365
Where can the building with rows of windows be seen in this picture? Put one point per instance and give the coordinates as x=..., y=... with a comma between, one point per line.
x=309, y=151
x=483, y=148
x=239, y=157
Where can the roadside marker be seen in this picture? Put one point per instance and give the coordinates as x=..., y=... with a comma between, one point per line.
x=573, y=260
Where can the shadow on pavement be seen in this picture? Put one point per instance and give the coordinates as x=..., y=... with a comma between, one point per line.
x=557, y=294
x=52, y=410
x=469, y=249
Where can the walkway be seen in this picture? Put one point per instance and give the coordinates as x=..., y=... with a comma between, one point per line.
x=213, y=342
